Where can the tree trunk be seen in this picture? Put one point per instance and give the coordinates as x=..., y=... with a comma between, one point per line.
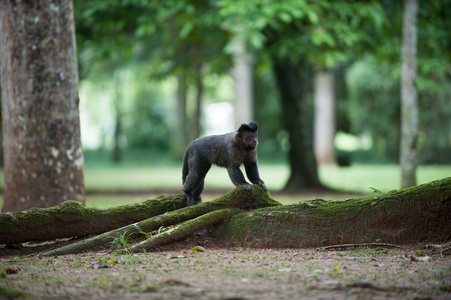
x=41, y=130
x=116, y=154
x=243, y=85
x=324, y=129
x=195, y=119
x=180, y=137
x=298, y=124
x=409, y=95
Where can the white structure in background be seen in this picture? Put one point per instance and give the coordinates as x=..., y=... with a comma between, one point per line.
x=243, y=84
x=219, y=118
x=324, y=127
x=96, y=117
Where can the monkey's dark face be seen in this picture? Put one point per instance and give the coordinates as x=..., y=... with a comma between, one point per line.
x=250, y=140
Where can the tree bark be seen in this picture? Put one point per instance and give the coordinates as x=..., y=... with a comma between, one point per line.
x=298, y=124
x=180, y=136
x=324, y=129
x=408, y=216
x=70, y=219
x=195, y=119
x=116, y=154
x=41, y=130
x=409, y=95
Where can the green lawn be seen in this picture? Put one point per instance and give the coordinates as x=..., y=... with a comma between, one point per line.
x=358, y=178
x=153, y=180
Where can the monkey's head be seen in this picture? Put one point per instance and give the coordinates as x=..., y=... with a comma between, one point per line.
x=248, y=135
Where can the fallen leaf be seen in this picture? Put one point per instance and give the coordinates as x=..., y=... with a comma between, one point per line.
x=336, y=268
x=99, y=266
x=198, y=249
x=177, y=256
x=422, y=258
x=10, y=271
x=173, y=281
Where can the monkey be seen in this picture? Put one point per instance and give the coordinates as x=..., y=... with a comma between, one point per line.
x=228, y=150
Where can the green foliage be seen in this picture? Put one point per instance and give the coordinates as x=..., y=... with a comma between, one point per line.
x=121, y=241
x=325, y=32
x=159, y=40
x=374, y=105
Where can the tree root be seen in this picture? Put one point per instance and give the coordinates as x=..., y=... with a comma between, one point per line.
x=71, y=219
x=237, y=199
x=185, y=229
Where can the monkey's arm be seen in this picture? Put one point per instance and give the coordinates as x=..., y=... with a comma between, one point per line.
x=237, y=177
x=253, y=175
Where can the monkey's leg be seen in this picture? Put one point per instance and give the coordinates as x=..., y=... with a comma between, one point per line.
x=237, y=177
x=194, y=183
x=198, y=192
x=253, y=175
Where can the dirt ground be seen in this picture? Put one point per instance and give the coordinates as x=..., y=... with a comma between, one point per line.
x=228, y=273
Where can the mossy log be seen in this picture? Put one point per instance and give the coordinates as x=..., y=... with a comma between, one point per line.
x=253, y=218
x=70, y=219
x=188, y=220
x=406, y=216
x=231, y=203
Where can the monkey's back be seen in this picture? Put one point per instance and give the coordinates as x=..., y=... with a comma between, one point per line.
x=214, y=149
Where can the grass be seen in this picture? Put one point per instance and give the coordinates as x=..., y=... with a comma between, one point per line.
x=357, y=178
x=155, y=180
x=152, y=181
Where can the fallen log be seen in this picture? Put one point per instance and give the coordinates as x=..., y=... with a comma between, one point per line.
x=231, y=203
x=70, y=219
x=254, y=219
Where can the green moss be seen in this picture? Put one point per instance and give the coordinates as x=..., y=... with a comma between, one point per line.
x=317, y=222
x=9, y=293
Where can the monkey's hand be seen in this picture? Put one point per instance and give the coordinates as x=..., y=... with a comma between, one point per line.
x=261, y=184
x=247, y=186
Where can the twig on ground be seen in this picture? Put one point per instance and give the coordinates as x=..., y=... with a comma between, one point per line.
x=385, y=245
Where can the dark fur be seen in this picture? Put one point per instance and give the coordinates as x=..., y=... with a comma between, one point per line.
x=228, y=150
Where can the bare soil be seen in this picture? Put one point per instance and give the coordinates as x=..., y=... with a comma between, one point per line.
x=174, y=272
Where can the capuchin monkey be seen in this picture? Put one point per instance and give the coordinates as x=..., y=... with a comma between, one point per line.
x=228, y=150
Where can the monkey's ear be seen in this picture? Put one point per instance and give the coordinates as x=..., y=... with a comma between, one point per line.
x=244, y=128
x=252, y=127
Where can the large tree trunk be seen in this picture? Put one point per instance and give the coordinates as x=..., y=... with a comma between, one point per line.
x=41, y=130
x=298, y=124
x=409, y=95
x=324, y=129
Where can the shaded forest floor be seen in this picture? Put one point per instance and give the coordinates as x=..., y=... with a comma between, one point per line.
x=228, y=273
x=174, y=272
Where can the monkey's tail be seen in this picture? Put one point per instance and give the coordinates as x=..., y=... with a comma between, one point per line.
x=185, y=169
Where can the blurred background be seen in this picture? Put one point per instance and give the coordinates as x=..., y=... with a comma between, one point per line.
x=322, y=79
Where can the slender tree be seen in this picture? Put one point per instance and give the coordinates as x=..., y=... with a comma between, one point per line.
x=41, y=130
x=243, y=84
x=409, y=95
x=324, y=127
